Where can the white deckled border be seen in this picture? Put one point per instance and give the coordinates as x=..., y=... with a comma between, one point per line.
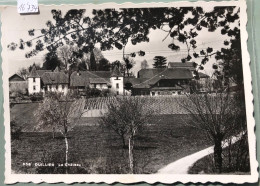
x=152, y=178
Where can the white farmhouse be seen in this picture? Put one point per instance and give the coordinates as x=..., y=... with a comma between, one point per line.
x=46, y=80
x=34, y=81
x=112, y=81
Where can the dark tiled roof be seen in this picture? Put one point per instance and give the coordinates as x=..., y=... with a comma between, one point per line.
x=166, y=73
x=202, y=75
x=116, y=72
x=180, y=65
x=151, y=76
x=33, y=73
x=82, y=78
x=16, y=77
x=41, y=72
x=49, y=78
x=99, y=80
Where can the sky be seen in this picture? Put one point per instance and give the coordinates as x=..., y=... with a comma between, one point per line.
x=16, y=27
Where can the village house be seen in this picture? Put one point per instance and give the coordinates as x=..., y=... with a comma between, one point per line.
x=173, y=80
x=17, y=84
x=161, y=81
x=102, y=80
x=46, y=80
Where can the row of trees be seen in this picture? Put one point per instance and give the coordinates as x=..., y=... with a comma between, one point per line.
x=94, y=61
x=218, y=117
x=112, y=28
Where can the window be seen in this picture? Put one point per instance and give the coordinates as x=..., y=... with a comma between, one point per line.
x=63, y=86
x=117, y=85
x=34, y=80
x=117, y=92
x=34, y=88
x=57, y=87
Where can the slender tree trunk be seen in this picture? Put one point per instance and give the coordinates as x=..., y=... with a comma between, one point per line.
x=229, y=153
x=53, y=132
x=131, y=157
x=123, y=141
x=218, y=155
x=66, y=153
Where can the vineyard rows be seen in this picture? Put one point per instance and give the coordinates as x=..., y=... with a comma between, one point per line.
x=159, y=104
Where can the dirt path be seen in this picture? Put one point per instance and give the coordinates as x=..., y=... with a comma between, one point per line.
x=182, y=165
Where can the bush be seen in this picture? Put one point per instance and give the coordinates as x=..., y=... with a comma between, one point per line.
x=93, y=92
x=36, y=97
x=235, y=160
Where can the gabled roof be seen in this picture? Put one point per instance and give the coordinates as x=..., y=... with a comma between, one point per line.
x=166, y=73
x=82, y=78
x=41, y=72
x=16, y=77
x=99, y=80
x=33, y=73
x=181, y=65
x=57, y=69
x=49, y=78
x=116, y=72
x=149, y=77
x=202, y=75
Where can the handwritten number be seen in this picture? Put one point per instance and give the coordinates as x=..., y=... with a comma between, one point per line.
x=28, y=7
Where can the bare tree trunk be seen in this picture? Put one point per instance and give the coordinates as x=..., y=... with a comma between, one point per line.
x=229, y=153
x=131, y=157
x=66, y=153
x=53, y=132
x=218, y=155
x=123, y=141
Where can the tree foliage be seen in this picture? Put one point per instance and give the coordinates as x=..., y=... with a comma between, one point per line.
x=159, y=62
x=113, y=28
x=144, y=64
x=59, y=113
x=23, y=72
x=51, y=61
x=103, y=65
x=93, y=63
x=218, y=116
x=125, y=117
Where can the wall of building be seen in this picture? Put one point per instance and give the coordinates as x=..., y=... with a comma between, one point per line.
x=34, y=85
x=100, y=86
x=63, y=88
x=18, y=86
x=117, y=85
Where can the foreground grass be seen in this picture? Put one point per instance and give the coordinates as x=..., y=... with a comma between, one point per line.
x=165, y=139
x=235, y=161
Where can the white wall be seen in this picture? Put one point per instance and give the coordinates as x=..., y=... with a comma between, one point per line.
x=53, y=88
x=99, y=86
x=32, y=85
x=120, y=82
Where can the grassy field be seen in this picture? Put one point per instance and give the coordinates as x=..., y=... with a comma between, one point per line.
x=165, y=139
x=23, y=114
x=235, y=161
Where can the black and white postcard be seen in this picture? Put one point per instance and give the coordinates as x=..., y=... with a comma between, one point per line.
x=152, y=92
